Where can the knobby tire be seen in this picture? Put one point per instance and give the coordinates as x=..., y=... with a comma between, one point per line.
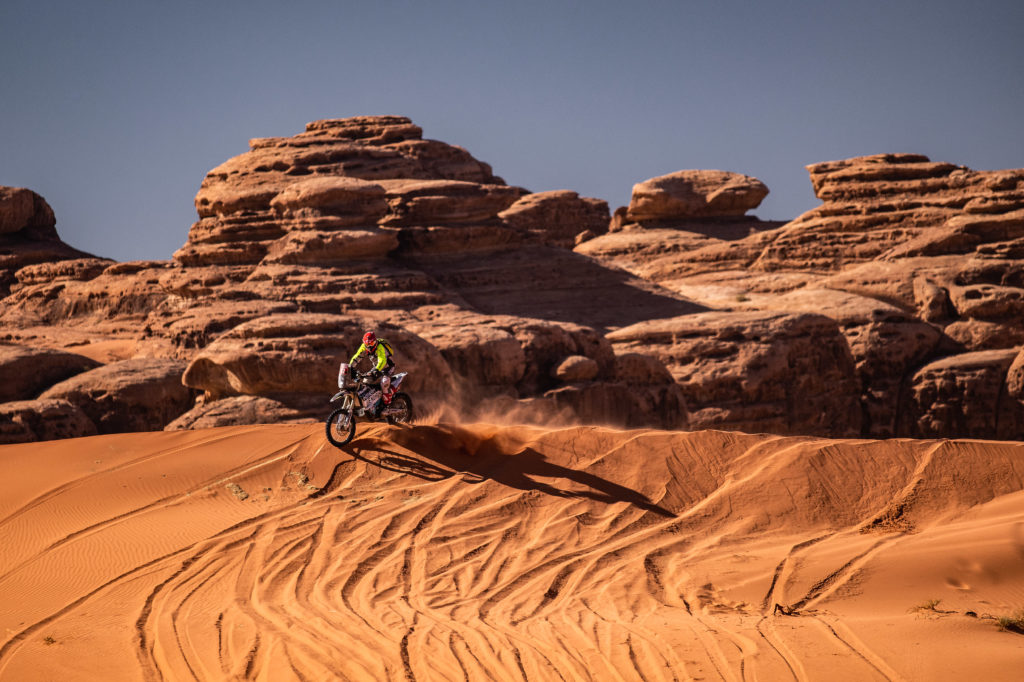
x=339, y=442
x=401, y=397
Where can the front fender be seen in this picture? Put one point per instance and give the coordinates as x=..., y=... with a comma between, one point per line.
x=339, y=394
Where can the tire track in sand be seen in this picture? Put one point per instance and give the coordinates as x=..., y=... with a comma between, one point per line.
x=411, y=574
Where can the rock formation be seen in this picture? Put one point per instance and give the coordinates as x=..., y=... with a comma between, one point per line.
x=694, y=194
x=1015, y=377
x=245, y=409
x=896, y=308
x=755, y=371
x=27, y=234
x=27, y=421
x=966, y=394
x=27, y=372
x=304, y=242
x=130, y=395
x=917, y=261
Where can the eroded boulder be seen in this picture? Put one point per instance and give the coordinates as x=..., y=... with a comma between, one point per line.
x=301, y=352
x=755, y=371
x=332, y=202
x=131, y=395
x=27, y=421
x=640, y=394
x=966, y=396
x=886, y=344
x=28, y=234
x=486, y=359
x=27, y=372
x=237, y=410
x=972, y=335
x=576, y=368
x=695, y=194
x=556, y=217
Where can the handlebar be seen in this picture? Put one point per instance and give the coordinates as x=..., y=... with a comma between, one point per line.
x=362, y=377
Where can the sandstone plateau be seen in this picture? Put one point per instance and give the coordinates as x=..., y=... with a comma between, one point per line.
x=895, y=308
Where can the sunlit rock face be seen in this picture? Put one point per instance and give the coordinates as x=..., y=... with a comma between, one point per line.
x=304, y=242
x=28, y=234
x=695, y=194
x=916, y=261
x=895, y=308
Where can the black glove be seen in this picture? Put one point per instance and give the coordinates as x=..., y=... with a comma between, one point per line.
x=373, y=374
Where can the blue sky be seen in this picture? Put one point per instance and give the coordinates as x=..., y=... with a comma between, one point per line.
x=114, y=111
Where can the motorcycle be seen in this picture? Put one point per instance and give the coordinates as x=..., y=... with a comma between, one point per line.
x=359, y=392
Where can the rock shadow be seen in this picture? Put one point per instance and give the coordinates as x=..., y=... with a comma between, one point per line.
x=557, y=285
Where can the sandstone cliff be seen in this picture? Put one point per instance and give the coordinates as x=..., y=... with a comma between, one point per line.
x=894, y=308
x=303, y=242
x=919, y=264
x=28, y=234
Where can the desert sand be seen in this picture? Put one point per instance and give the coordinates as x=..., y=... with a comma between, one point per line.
x=445, y=552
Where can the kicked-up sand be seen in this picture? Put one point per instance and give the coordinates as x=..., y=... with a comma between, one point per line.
x=442, y=552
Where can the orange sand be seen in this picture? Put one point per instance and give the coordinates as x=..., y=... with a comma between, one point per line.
x=437, y=552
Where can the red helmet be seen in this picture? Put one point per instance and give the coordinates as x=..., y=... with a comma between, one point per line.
x=370, y=340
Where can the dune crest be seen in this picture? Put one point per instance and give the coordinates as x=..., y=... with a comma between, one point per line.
x=440, y=552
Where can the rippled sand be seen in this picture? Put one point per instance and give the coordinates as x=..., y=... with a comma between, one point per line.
x=441, y=552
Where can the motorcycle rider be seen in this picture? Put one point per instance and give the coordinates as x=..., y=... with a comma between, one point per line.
x=384, y=367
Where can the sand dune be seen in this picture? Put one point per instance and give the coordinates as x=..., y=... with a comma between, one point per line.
x=440, y=552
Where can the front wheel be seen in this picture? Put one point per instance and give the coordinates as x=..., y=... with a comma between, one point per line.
x=341, y=427
x=400, y=409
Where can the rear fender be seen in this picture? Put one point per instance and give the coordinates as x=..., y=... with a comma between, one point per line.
x=396, y=380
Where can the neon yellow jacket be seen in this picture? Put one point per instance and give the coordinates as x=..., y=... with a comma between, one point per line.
x=382, y=356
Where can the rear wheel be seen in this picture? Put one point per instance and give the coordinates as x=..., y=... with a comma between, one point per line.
x=341, y=427
x=400, y=409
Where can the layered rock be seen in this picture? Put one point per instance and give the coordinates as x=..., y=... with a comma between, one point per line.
x=27, y=421
x=554, y=285
x=88, y=289
x=283, y=354
x=638, y=251
x=884, y=206
x=966, y=395
x=244, y=409
x=887, y=345
x=1015, y=377
x=488, y=358
x=336, y=221
x=694, y=194
x=758, y=371
x=861, y=317
x=876, y=206
x=641, y=391
x=131, y=395
x=27, y=372
x=556, y=218
x=27, y=234
x=915, y=260
x=330, y=178
x=189, y=327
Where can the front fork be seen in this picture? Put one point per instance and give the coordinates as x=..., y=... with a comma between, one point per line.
x=347, y=403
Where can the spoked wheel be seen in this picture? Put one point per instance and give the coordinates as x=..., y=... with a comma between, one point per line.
x=341, y=427
x=400, y=409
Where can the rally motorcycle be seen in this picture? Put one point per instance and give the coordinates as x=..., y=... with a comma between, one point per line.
x=359, y=392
